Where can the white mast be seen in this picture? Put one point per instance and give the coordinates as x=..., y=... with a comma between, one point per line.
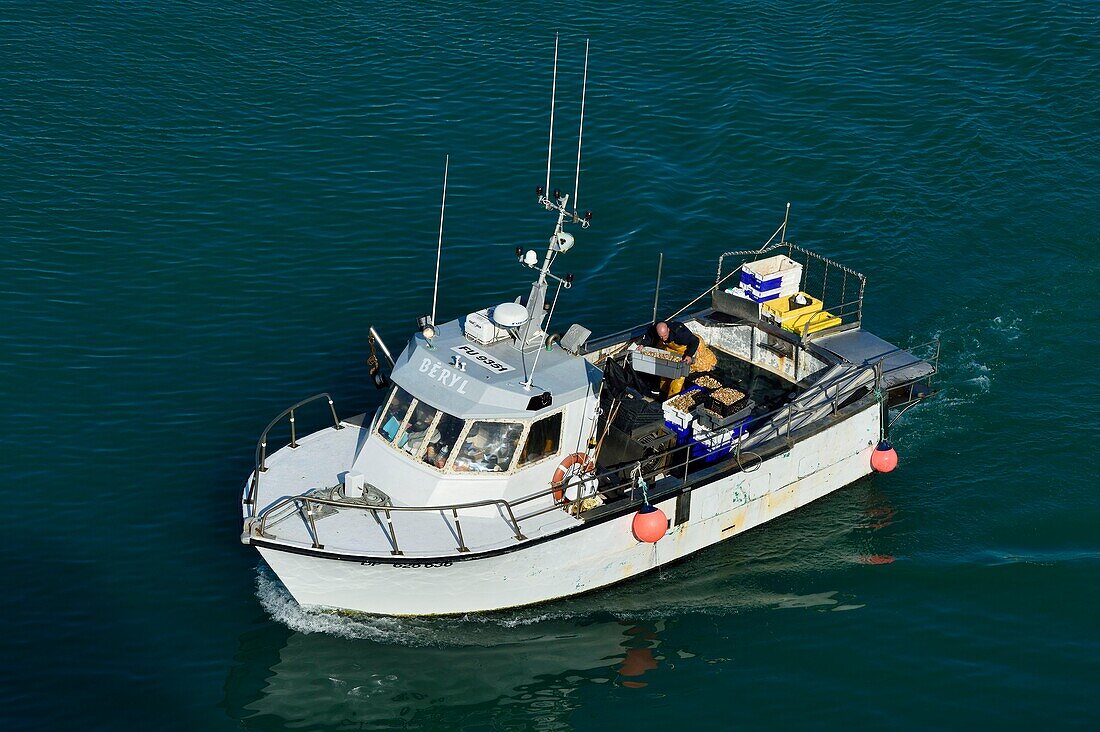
x=580, y=133
x=439, y=246
x=553, y=94
x=561, y=241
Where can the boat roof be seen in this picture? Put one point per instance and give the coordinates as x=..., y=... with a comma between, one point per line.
x=899, y=366
x=492, y=384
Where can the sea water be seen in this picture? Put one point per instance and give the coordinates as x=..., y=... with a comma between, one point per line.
x=206, y=204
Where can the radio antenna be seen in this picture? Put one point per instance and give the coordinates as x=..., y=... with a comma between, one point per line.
x=553, y=94
x=580, y=132
x=439, y=246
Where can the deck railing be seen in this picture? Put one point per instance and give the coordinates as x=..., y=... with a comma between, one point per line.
x=850, y=312
x=261, y=444
x=306, y=503
x=679, y=462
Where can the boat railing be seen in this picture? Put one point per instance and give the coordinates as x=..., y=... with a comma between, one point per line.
x=816, y=271
x=261, y=444
x=306, y=504
x=928, y=351
x=781, y=423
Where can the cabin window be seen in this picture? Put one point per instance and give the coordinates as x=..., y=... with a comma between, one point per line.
x=488, y=447
x=418, y=428
x=542, y=441
x=442, y=441
x=394, y=415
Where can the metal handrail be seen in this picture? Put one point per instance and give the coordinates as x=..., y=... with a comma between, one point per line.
x=454, y=508
x=762, y=419
x=507, y=507
x=791, y=247
x=261, y=444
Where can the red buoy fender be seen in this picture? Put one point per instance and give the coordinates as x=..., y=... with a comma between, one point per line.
x=649, y=525
x=577, y=458
x=884, y=458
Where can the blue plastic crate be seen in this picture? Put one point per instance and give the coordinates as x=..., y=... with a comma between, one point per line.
x=699, y=451
x=763, y=297
x=683, y=434
x=708, y=455
x=753, y=295
x=761, y=285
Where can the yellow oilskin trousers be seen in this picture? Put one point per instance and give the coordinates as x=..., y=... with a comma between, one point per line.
x=704, y=360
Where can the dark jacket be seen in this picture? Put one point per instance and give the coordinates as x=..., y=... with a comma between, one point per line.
x=678, y=333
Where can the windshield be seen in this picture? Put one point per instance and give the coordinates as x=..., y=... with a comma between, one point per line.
x=396, y=409
x=443, y=439
x=488, y=447
x=417, y=429
x=447, y=442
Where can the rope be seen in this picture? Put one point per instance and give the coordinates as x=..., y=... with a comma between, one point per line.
x=372, y=360
x=639, y=481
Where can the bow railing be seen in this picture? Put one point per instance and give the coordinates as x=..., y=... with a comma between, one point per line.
x=261, y=444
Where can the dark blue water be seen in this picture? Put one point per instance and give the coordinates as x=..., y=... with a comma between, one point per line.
x=204, y=205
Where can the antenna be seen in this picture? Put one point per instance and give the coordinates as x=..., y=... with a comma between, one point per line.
x=439, y=246
x=580, y=133
x=553, y=94
x=786, y=215
x=657, y=287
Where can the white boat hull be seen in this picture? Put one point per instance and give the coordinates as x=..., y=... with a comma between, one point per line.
x=593, y=557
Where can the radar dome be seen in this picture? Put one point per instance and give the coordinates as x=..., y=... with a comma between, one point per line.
x=510, y=315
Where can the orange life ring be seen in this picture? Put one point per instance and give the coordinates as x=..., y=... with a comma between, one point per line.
x=587, y=466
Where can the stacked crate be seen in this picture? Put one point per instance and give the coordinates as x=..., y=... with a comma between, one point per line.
x=678, y=413
x=768, y=279
x=796, y=318
x=724, y=417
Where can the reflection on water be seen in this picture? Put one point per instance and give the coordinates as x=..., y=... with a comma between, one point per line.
x=533, y=667
x=504, y=672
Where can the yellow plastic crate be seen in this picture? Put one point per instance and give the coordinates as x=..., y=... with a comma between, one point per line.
x=796, y=317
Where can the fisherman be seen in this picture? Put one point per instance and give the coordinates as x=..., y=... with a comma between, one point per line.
x=675, y=337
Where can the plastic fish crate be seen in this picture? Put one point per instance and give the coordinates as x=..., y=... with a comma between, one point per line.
x=785, y=285
x=771, y=273
x=646, y=363
x=811, y=322
x=713, y=419
x=683, y=434
x=712, y=445
x=753, y=295
x=678, y=417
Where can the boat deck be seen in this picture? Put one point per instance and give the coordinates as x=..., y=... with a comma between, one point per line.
x=320, y=462
x=860, y=347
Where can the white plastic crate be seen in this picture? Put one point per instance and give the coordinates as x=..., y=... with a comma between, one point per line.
x=766, y=279
x=714, y=439
x=654, y=361
x=677, y=417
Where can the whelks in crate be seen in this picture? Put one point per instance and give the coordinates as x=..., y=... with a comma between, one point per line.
x=659, y=362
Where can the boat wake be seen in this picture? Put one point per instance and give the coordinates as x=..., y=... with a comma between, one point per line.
x=971, y=358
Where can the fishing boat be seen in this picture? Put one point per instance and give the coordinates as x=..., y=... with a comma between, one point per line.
x=511, y=463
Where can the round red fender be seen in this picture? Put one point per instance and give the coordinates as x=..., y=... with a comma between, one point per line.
x=564, y=469
x=884, y=458
x=650, y=524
